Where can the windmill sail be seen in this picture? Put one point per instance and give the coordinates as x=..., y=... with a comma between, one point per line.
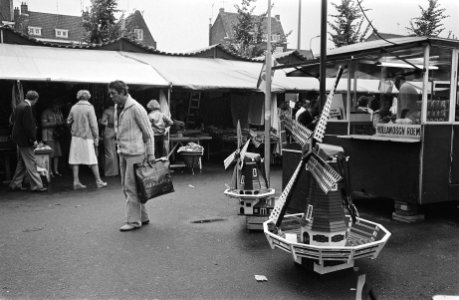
x=232, y=157
x=281, y=203
x=319, y=131
x=300, y=133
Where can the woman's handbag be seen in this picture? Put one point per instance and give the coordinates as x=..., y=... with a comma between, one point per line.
x=153, y=179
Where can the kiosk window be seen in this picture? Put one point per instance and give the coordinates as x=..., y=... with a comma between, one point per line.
x=439, y=89
x=457, y=91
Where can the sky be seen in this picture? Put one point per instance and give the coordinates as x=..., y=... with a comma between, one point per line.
x=183, y=25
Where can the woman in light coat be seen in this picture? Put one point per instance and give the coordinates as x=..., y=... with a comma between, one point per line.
x=85, y=139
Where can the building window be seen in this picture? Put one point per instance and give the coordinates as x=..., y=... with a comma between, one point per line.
x=62, y=33
x=274, y=37
x=138, y=33
x=34, y=30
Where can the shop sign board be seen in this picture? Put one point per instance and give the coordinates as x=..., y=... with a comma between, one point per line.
x=399, y=130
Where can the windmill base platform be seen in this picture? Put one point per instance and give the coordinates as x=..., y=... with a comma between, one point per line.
x=255, y=222
x=364, y=239
x=328, y=267
x=259, y=211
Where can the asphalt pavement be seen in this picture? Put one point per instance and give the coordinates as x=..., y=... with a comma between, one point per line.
x=66, y=244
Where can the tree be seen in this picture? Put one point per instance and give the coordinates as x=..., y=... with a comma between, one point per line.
x=247, y=31
x=430, y=21
x=348, y=24
x=248, y=38
x=100, y=22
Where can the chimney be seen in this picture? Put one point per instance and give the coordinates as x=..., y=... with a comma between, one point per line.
x=24, y=8
x=221, y=11
x=16, y=14
x=277, y=17
x=6, y=10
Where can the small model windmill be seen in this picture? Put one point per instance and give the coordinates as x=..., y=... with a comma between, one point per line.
x=249, y=183
x=324, y=233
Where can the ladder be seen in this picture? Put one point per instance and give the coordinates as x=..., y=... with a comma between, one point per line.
x=193, y=109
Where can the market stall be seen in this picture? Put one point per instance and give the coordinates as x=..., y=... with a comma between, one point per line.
x=57, y=74
x=410, y=153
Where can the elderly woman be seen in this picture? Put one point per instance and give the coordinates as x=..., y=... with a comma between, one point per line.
x=159, y=123
x=52, y=121
x=85, y=139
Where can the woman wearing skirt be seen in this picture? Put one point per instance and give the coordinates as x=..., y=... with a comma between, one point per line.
x=85, y=139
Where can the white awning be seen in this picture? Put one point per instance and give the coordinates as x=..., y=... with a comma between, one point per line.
x=214, y=73
x=36, y=63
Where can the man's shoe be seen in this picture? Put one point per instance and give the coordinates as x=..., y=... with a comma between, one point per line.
x=145, y=222
x=128, y=227
x=40, y=190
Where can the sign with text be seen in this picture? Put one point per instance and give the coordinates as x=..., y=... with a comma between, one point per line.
x=399, y=130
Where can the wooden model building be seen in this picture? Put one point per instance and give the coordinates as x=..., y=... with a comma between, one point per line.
x=324, y=236
x=249, y=184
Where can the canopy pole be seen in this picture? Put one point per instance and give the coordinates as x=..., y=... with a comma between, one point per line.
x=268, y=99
x=299, y=25
x=323, y=53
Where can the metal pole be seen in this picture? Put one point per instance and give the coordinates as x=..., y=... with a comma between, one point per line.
x=323, y=53
x=299, y=24
x=268, y=99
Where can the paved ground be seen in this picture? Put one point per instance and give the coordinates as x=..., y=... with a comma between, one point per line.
x=66, y=245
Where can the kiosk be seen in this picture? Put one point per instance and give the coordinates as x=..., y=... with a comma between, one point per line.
x=407, y=148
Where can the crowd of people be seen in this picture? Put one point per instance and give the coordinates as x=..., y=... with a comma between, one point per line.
x=130, y=135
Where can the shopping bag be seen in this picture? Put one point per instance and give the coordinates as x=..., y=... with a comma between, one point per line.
x=153, y=179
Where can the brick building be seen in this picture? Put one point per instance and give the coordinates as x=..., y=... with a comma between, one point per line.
x=66, y=29
x=221, y=32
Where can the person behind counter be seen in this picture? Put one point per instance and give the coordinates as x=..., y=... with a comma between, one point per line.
x=25, y=136
x=52, y=122
x=85, y=139
x=110, y=155
x=407, y=110
x=310, y=116
x=159, y=123
x=383, y=114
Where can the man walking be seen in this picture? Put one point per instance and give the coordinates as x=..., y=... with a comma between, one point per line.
x=135, y=144
x=25, y=136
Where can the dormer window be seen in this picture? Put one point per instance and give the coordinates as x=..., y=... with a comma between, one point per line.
x=62, y=33
x=275, y=37
x=34, y=30
x=138, y=34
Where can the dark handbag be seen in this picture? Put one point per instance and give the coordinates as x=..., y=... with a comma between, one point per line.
x=152, y=179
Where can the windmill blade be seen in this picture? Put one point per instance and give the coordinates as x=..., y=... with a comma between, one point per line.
x=230, y=159
x=243, y=152
x=319, y=131
x=326, y=177
x=282, y=203
x=300, y=133
x=233, y=156
x=239, y=135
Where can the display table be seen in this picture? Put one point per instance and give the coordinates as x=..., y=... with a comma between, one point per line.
x=176, y=140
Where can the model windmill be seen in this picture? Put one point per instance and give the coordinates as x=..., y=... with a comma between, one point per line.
x=324, y=234
x=249, y=183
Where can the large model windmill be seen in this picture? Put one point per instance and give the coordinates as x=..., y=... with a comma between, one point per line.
x=323, y=234
x=249, y=183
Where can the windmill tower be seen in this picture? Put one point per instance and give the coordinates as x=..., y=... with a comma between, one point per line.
x=324, y=221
